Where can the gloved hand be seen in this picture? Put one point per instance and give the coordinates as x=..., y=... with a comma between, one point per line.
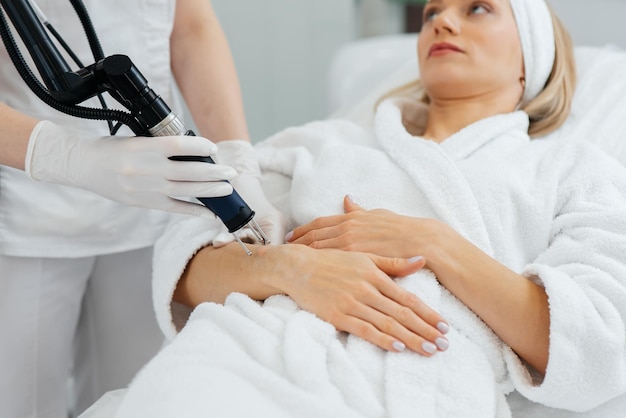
x=132, y=170
x=241, y=155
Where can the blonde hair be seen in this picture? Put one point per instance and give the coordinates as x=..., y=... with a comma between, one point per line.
x=549, y=110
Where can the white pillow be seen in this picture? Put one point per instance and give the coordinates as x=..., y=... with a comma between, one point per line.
x=598, y=109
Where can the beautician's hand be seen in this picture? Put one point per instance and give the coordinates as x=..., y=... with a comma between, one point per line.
x=377, y=231
x=132, y=170
x=354, y=292
x=241, y=155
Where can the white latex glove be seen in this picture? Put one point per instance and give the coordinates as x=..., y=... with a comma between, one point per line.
x=241, y=155
x=132, y=170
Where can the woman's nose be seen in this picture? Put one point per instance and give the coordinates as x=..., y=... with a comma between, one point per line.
x=446, y=21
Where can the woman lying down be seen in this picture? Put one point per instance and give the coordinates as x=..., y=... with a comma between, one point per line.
x=439, y=262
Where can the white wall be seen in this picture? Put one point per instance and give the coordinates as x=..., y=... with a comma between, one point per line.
x=282, y=50
x=593, y=22
x=378, y=17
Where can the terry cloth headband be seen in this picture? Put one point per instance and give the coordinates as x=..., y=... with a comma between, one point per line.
x=536, y=32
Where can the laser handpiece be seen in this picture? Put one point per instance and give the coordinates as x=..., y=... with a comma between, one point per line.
x=124, y=82
x=117, y=75
x=231, y=209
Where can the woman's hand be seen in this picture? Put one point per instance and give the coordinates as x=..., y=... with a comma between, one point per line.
x=354, y=292
x=503, y=299
x=377, y=231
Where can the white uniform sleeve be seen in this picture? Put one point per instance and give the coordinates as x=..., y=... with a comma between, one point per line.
x=584, y=273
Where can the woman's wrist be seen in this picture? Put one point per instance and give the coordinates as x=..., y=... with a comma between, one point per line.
x=452, y=258
x=434, y=244
x=280, y=264
x=214, y=273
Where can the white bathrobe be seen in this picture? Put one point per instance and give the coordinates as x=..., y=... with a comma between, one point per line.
x=551, y=211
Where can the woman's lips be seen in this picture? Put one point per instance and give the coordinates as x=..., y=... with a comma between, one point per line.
x=443, y=48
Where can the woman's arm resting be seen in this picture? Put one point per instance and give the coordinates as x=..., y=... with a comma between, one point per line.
x=513, y=306
x=352, y=291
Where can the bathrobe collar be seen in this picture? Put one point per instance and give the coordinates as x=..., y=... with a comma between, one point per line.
x=510, y=127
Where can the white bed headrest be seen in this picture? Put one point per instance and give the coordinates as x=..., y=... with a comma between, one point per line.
x=598, y=111
x=599, y=108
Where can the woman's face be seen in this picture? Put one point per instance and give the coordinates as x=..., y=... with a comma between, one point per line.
x=468, y=48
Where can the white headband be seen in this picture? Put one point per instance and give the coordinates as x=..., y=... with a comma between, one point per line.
x=536, y=32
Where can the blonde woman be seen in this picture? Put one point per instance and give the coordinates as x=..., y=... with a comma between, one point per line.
x=438, y=263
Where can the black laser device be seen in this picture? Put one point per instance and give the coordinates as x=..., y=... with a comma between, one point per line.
x=148, y=114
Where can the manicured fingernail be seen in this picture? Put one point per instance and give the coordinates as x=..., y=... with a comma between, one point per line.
x=352, y=199
x=442, y=343
x=289, y=236
x=398, y=346
x=429, y=347
x=416, y=259
x=443, y=327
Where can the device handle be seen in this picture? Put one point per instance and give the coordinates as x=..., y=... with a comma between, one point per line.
x=231, y=209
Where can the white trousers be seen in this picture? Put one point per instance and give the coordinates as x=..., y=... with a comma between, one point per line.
x=89, y=318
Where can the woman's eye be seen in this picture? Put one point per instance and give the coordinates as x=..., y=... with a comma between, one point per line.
x=430, y=14
x=478, y=9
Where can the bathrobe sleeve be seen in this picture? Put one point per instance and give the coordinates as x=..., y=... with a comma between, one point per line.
x=183, y=238
x=583, y=271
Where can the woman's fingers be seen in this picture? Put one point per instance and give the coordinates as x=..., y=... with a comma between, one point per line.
x=394, y=333
x=320, y=228
x=393, y=318
x=400, y=323
x=377, y=231
x=368, y=332
x=315, y=230
x=419, y=333
x=409, y=309
x=349, y=205
x=398, y=267
x=353, y=291
x=402, y=267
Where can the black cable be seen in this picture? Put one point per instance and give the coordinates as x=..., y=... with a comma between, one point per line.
x=116, y=128
x=35, y=85
x=92, y=37
x=78, y=62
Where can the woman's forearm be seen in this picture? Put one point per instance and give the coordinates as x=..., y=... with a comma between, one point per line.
x=352, y=291
x=213, y=274
x=512, y=305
